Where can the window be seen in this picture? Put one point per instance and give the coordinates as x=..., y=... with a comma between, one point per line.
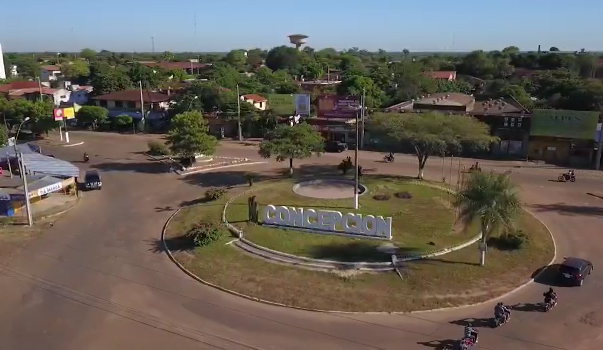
x=119, y=104
x=131, y=104
x=103, y=103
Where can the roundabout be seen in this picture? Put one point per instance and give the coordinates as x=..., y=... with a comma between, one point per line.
x=98, y=279
x=337, y=271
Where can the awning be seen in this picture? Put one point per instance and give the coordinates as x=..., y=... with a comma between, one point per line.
x=36, y=163
x=24, y=148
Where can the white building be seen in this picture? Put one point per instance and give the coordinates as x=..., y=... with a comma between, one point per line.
x=257, y=101
x=50, y=73
x=2, y=71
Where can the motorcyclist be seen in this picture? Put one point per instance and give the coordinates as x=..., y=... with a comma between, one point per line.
x=390, y=157
x=86, y=156
x=550, y=296
x=470, y=333
x=571, y=174
x=501, y=311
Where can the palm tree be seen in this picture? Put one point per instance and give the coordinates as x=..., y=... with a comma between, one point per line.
x=491, y=198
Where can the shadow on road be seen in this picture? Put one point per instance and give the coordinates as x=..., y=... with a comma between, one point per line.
x=527, y=307
x=144, y=167
x=475, y=322
x=439, y=344
x=570, y=210
x=547, y=275
x=174, y=244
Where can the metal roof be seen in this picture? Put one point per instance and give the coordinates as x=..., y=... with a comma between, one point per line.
x=36, y=163
x=41, y=183
x=24, y=148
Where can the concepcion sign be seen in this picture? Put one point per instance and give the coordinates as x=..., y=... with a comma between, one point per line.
x=328, y=222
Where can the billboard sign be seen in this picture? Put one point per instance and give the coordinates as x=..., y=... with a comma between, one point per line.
x=336, y=106
x=563, y=123
x=58, y=114
x=302, y=104
x=332, y=222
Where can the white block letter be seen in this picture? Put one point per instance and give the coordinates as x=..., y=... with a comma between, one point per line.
x=269, y=216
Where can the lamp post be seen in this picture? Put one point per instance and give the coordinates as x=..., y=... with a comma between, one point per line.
x=357, y=175
x=23, y=175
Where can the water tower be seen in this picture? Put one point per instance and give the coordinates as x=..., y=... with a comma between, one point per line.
x=298, y=40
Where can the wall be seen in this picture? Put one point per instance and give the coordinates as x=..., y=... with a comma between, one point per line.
x=549, y=149
x=79, y=96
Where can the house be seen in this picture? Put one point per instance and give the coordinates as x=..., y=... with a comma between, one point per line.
x=442, y=75
x=57, y=96
x=128, y=102
x=50, y=73
x=32, y=90
x=80, y=94
x=507, y=118
x=257, y=101
x=191, y=68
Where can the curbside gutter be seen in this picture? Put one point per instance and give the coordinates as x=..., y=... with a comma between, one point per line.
x=272, y=303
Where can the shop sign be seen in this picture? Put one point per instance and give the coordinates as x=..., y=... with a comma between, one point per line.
x=49, y=189
x=336, y=106
x=328, y=222
x=563, y=123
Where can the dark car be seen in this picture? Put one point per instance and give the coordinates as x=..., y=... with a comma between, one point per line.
x=573, y=271
x=336, y=146
x=92, y=180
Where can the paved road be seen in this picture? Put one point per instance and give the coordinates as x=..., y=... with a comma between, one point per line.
x=97, y=280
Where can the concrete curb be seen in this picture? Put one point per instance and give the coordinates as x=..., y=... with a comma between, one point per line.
x=272, y=303
x=49, y=216
x=210, y=168
x=74, y=144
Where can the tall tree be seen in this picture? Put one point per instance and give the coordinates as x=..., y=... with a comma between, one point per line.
x=110, y=81
x=432, y=133
x=92, y=115
x=291, y=142
x=76, y=69
x=490, y=198
x=188, y=136
x=283, y=57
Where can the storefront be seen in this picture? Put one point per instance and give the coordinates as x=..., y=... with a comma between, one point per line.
x=39, y=190
x=563, y=137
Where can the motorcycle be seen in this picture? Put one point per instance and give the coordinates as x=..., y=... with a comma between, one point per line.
x=567, y=177
x=466, y=344
x=388, y=159
x=548, y=305
x=499, y=321
x=86, y=158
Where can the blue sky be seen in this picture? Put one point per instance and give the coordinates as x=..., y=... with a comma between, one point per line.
x=436, y=25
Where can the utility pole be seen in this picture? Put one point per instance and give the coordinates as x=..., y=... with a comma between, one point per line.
x=141, y=106
x=356, y=177
x=599, y=148
x=363, y=116
x=239, y=127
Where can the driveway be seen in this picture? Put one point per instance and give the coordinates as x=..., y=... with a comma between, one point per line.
x=99, y=280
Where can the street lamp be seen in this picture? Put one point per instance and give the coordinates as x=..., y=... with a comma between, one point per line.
x=191, y=103
x=23, y=175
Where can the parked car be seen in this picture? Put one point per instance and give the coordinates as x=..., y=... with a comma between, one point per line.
x=92, y=180
x=573, y=271
x=336, y=146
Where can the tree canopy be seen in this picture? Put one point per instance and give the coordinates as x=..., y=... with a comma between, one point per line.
x=432, y=133
x=291, y=142
x=188, y=135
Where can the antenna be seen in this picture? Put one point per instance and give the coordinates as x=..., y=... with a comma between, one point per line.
x=153, y=43
x=195, y=32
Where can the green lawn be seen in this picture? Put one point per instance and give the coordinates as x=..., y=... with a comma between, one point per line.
x=420, y=224
x=431, y=283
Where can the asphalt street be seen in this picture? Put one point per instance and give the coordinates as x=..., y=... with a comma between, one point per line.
x=99, y=280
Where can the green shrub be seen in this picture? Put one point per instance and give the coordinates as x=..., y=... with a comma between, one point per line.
x=345, y=165
x=510, y=240
x=215, y=193
x=205, y=233
x=122, y=122
x=250, y=177
x=382, y=197
x=157, y=148
x=403, y=195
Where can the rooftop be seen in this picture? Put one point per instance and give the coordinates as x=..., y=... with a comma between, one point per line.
x=176, y=65
x=498, y=106
x=37, y=90
x=445, y=99
x=51, y=67
x=18, y=85
x=254, y=98
x=448, y=75
x=133, y=96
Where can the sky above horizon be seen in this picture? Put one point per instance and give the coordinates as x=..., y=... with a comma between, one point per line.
x=392, y=25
